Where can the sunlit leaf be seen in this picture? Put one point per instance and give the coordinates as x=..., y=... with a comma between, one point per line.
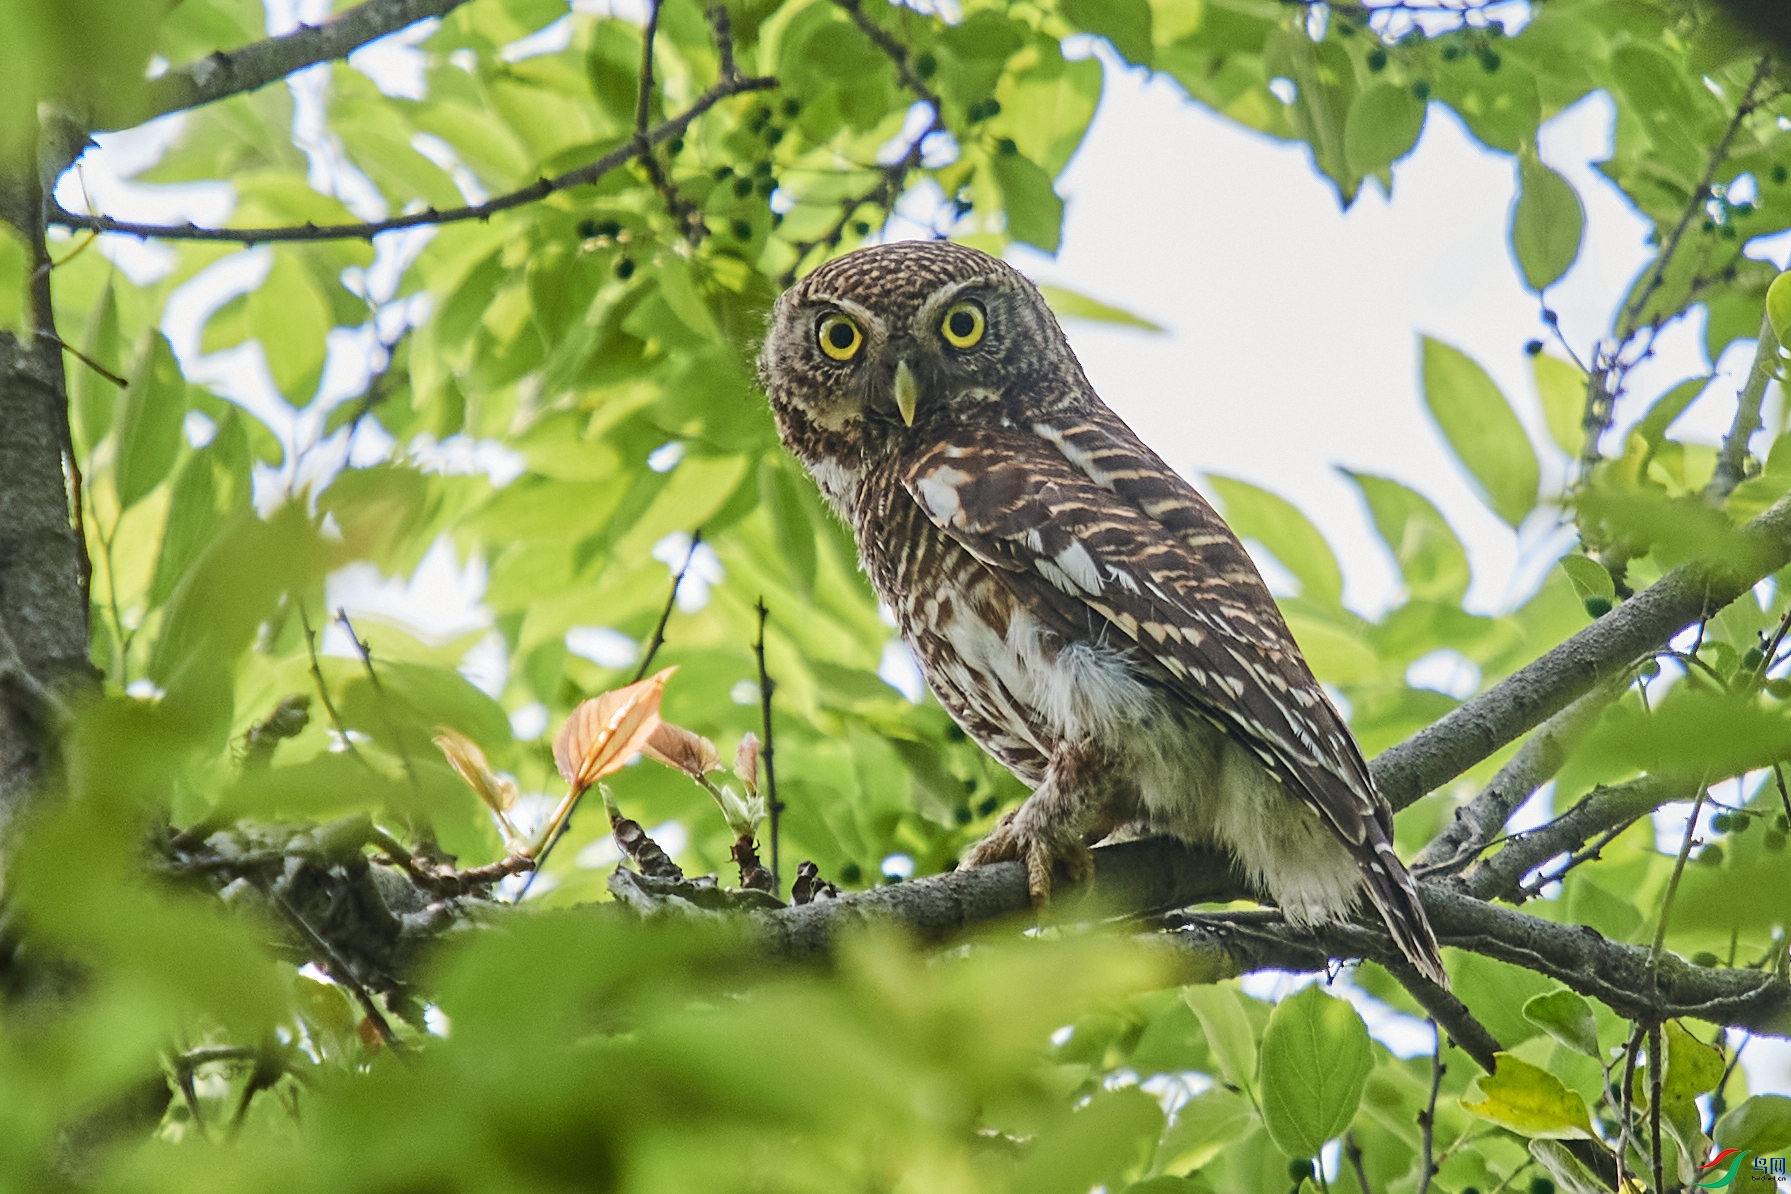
x=1547, y=223
x=1567, y=1017
x=1479, y=424
x=604, y=731
x=1530, y=1101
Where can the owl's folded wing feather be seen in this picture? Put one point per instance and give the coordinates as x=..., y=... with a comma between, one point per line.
x=1092, y=528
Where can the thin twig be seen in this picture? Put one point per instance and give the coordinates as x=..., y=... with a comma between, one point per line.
x=1626, y=1112
x=1352, y=1152
x=71, y=350
x=665, y=613
x=1731, y=462
x=767, y=750
x=381, y=697
x=1427, y=1118
x=683, y=212
x=323, y=690
x=1656, y=1063
x=533, y=193
x=1685, y=845
x=343, y=972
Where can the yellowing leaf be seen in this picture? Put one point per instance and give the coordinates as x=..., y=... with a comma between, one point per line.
x=1531, y=1102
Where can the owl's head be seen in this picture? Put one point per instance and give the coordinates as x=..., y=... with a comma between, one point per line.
x=896, y=343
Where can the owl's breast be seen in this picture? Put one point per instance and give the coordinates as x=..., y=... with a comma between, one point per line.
x=1016, y=684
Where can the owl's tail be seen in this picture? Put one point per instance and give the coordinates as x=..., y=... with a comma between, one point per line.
x=1395, y=897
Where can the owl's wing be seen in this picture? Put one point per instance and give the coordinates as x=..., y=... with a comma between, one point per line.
x=1091, y=527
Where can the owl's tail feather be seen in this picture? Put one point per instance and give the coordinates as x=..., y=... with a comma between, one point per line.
x=1395, y=897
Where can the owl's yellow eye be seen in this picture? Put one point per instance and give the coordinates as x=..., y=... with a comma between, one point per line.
x=839, y=337
x=963, y=325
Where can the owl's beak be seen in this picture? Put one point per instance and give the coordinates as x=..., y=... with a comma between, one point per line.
x=907, y=392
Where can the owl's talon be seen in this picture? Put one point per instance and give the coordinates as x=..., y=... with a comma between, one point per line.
x=1042, y=853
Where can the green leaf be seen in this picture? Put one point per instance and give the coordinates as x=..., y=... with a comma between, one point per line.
x=1289, y=535
x=1070, y=304
x=1778, y=306
x=1034, y=209
x=1761, y=1124
x=1547, y=223
x=792, y=524
x=1094, y=1145
x=1530, y=1101
x=1589, y=577
x=149, y=428
x=1125, y=23
x=1562, y=387
x=290, y=319
x=1315, y=1061
x=1430, y=557
x=1204, y=1127
x=1220, y=1010
x=93, y=399
x=1693, y=1067
x=1568, y=1018
x=14, y=272
x=1383, y=126
x=1479, y=424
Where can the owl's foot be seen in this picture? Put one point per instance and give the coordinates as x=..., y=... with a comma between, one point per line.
x=1043, y=848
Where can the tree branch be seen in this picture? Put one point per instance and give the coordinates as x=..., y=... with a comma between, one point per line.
x=723, y=88
x=251, y=67
x=1479, y=821
x=1643, y=624
x=1731, y=462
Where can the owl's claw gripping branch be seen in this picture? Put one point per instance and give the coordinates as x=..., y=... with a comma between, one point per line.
x=1039, y=843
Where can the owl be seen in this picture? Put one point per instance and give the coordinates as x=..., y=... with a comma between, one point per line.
x=1075, y=605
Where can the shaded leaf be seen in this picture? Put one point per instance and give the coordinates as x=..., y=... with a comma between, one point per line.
x=1315, y=1060
x=1566, y=1016
x=149, y=426
x=1547, y=223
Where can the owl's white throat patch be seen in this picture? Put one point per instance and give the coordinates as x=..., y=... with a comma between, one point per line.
x=838, y=483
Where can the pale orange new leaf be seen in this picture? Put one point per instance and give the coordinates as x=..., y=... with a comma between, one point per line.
x=468, y=760
x=682, y=750
x=606, y=730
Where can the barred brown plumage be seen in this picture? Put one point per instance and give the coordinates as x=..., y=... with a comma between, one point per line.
x=1075, y=605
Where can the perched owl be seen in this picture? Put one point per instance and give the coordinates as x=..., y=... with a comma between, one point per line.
x=1077, y=607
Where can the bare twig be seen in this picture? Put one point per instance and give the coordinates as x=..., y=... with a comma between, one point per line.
x=1656, y=1063
x=343, y=971
x=767, y=746
x=1352, y=1152
x=665, y=613
x=533, y=193
x=1685, y=845
x=88, y=361
x=1731, y=462
x=323, y=689
x=383, y=699
x=1427, y=1118
x=688, y=216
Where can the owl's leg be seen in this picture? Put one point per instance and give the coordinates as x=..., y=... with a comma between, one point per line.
x=1075, y=805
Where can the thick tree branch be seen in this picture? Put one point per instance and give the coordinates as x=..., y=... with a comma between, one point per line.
x=1604, y=811
x=1601, y=652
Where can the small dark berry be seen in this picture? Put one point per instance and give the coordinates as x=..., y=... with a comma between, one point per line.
x=1421, y=90
x=1541, y=1185
x=760, y=116
x=992, y=107
x=722, y=173
x=1006, y=147
x=1752, y=658
x=1550, y=317
x=1740, y=822
x=606, y=228
x=1489, y=61
x=772, y=134
x=851, y=873
x=625, y=269
x=1451, y=53
x=1598, y=607
x=861, y=228
x=675, y=146
x=1377, y=59
x=742, y=187
x=1649, y=669
x=741, y=229
x=1729, y=232
x=1780, y=688
x=792, y=108
x=962, y=814
x=1711, y=855
x=925, y=64
x=988, y=806
x=1781, y=175
x=1774, y=841
x=587, y=229
x=1708, y=226
x=1782, y=823
x=1345, y=29
x=1300, y=1168
x=1743, y=209
x=766, y=186
x=1705, y=958
x=1722, y=823
x=1534, y=348
x=762, y=169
